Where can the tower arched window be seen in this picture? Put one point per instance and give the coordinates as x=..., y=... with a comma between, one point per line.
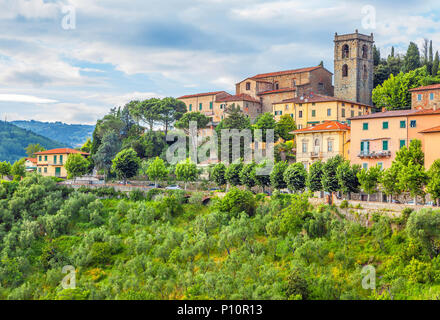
x=345, y=51
x=364, y=52
x=277, y=86
x=344, y=71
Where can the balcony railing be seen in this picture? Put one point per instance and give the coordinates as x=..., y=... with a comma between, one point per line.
x=374, y=154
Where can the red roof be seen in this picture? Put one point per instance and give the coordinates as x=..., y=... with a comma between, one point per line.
x=430, y=87
x=431, y=130
x=319, y=98
x=61, y=151
x=397, y=113
x=326, y=126
x=202, y=94
x=280, y=73
x=239, y=97
x=33, y=160
x=277, y=91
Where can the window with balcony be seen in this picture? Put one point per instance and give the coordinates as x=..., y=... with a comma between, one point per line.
x=385, y=145
x=54, y=159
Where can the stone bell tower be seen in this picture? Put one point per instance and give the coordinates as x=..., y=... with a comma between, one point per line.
x=354, y=67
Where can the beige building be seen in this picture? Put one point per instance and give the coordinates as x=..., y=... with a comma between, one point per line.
x=322, y=142
x=277, y=86
x=50, y=163
x=313, y=109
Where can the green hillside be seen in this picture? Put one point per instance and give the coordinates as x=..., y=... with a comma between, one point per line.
x=72, y=135
x=14, y=140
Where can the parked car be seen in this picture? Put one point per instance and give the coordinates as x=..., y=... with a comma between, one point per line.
x=214, y=189
x=412, y=203
x=430, y=203
x=173, y=187
x=152, y=185
x=395, y=201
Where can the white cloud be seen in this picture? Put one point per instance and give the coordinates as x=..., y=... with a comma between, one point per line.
x=24, y=98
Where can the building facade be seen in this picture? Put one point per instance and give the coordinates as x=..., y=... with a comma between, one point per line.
x=427, y=97
x=314, y=109
x=376, y=138
x=50, y=163
x=354, y=67
x=322, y=142
x=30, y=164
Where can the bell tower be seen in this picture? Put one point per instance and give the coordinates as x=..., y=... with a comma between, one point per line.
x=354, y=67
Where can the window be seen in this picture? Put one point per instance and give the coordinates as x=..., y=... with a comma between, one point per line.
x=45, y=170
x=300, y=114
x=365, y=166
x=329, y=112
x=300, y=126
x=344, y=71
x=277, y=85
x=190, y=107
x=200, y=106
x=402, y=143
x=431, y=96
x=287, y=106
x=419, y=97
x=291, y=115
x=304, y=147
x=402, y=124
x=320, y=86
x=364, y=52
x=45, y=158
x=39, y=158
x=61, y=159
x=413, y=123
x=365, y=147
x=343, y=113
x=360, y=113
x=313, y=113
x=248, y=86
x=385, y=125
x=313, y=104
x=365, y=126
x=352, y=113
x=211, y=104
x=54, y=159
x=385, y=145
x=380, y=165
x=330, y=146
x=345, y=51
x=39, y=170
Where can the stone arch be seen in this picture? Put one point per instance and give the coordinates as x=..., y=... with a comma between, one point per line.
x=345, y=71
x=364, y=51
x=345, y=51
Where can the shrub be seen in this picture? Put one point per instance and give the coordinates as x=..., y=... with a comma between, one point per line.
x=236, y=201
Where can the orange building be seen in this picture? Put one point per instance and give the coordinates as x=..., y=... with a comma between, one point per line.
x=376, y=138
x=427, y=97
x=50, y=163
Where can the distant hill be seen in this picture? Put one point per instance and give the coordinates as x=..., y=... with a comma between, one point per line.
x=14, y=140
x=72, y=135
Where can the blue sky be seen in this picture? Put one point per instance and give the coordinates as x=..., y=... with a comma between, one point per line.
x=123, y=50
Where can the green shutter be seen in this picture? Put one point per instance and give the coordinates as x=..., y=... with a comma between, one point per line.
x=385, y=125
x=200, y=106
x=402, y=143
x=365, y=126
x=385, y=145
x=210, y=105
x=403, y=124
x=190, y=107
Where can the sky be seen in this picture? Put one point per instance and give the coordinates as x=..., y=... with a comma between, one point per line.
x=74, y=60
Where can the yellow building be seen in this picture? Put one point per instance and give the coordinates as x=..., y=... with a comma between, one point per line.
x=314, y=109
x=50, y=163
x=322, y=142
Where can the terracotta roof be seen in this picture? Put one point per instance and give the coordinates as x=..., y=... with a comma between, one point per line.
x=326, y=126
x=61, y=151
x=277, y=91
x=430, y=87
x=33, y=160
x=319, y=98
x=280, y=73
x=397, y=113
x=431, y=130
x=202, y=94
x=238, y=97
